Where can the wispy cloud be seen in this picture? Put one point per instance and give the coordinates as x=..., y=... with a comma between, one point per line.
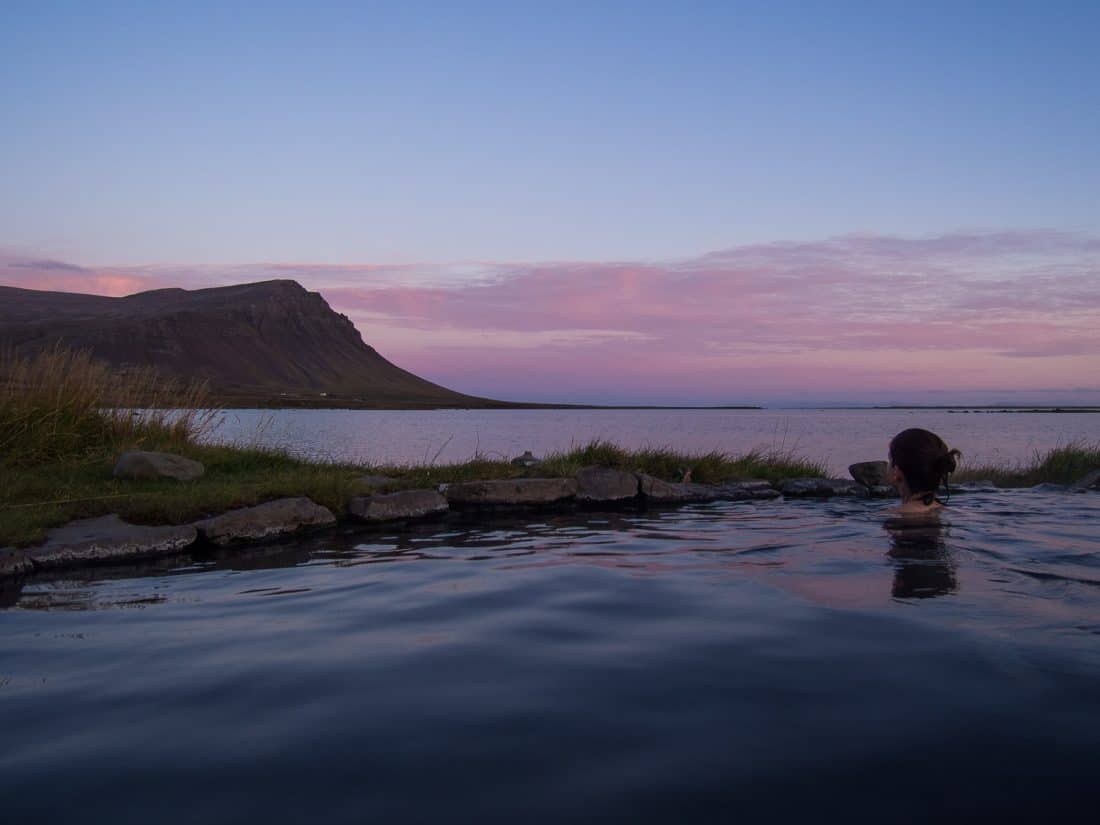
x=858, y=314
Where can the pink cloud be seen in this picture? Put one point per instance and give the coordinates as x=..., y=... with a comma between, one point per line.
x=857, y=313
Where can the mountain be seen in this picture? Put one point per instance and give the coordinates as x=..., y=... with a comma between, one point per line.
x=271, y=343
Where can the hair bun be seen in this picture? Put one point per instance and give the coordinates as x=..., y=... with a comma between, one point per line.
x=948, y=462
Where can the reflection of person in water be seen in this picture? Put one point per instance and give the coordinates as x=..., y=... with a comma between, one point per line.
x=920, y=462
x=924, y=567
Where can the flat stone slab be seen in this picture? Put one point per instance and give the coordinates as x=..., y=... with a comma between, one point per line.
x=108, y=539
x=141, y=464
x=820, y=487
x=870, y=473
x=512, y=491
x=657, y=490
x=14, y=562
x=264, y=521
x=654, y=489
x=601, y=484
x=753, y=490
x=405, y=504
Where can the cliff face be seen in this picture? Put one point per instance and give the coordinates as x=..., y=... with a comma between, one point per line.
x=265, y=343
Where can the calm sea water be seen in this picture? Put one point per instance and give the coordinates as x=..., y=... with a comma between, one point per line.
x=837, y=437
x=718, y=662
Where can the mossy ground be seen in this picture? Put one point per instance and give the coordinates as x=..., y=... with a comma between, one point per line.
x=34, y=498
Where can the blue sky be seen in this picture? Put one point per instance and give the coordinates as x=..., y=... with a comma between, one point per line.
x=336, y=133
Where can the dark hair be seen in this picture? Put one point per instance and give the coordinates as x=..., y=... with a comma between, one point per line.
x=924, y=459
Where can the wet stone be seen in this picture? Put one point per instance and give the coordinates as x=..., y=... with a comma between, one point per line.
x=141, y=464
x=108, y=539
x=264, y=521
x=402, y=505
x=602, y=484
x=870, y=473
x=512, y=491
x=820, y=488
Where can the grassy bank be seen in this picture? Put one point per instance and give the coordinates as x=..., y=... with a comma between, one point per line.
x=64, y=421
x=1062, y=465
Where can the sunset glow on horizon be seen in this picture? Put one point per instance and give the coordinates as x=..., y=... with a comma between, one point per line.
x=979, y=318
x=621, y=204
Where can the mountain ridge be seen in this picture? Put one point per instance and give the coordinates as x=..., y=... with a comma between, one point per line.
x=267, y=343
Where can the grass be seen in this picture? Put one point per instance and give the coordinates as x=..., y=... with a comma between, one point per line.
x=1062, y=465
x=64, y=419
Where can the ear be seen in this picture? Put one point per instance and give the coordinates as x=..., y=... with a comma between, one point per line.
x=894, y=476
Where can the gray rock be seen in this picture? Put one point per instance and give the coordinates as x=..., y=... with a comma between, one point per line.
x=14, y=562
x=512, y=491
x=870, y=473
x=755, y=490
x=1048, y=487
x=141, y=464
x=1090, y=481
x=526, y=460
x=654, y=489
x=405, y=504
x=264, y=521
x=108, y=539
x=606, y=484
x=820, y=487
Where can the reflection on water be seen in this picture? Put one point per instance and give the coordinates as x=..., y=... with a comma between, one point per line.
x=780, y=660
x=924, y=566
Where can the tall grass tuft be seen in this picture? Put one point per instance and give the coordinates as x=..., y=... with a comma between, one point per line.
x=1061, y=465
x=63, y=405
x=713, y=467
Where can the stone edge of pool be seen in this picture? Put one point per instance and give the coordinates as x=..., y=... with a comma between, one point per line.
x=110, y=540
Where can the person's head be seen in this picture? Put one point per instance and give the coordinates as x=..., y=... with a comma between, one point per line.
x=921, y=460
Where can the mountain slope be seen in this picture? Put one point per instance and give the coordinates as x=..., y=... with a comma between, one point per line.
x=267, y=343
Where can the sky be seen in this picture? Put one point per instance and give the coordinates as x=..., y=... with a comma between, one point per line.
x=599, y=202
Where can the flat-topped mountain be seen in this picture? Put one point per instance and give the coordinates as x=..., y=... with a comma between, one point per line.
x=267, y=343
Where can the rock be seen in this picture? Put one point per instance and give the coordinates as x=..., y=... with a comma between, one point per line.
x=512, y=491
x=753, y=490
x=526, y=460
x=405, y=504
x=141, y=464
x=819, y=487
x=108, y=539
x=870, y=473
x=654, y=489
x=1091, y=481
x=264, y=521
x=13, y=562
x=606, y=484
x=1048, y=487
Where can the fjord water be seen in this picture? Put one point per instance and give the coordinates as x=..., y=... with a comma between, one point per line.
x=715, y=662
x=836, y=437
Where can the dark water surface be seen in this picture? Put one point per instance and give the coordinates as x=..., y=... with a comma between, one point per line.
x=718, y=662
